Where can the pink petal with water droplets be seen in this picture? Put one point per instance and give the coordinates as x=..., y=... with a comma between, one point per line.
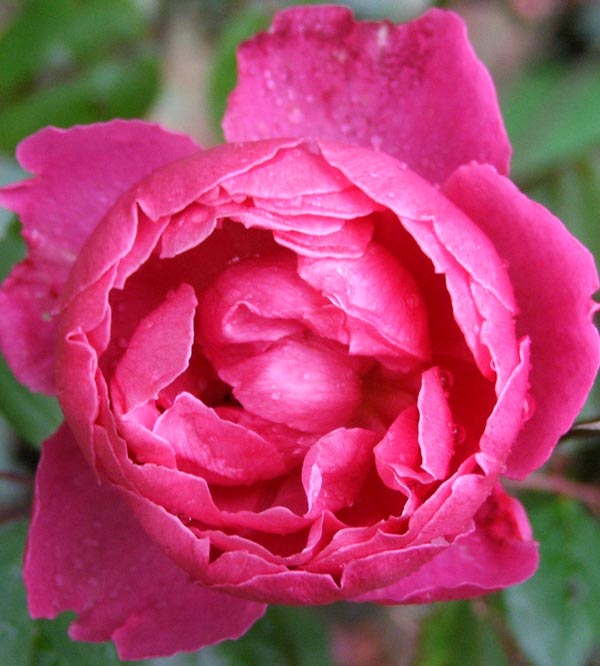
x=476, y=278
x=379, y=295
x=302, y=383
x=436, y=425
x=218, y=450
x=158, y=352
x=80, y=173
x=553, y=277
x=86, y=553
x=415, y=91
x=499, y=552
x=335, y=469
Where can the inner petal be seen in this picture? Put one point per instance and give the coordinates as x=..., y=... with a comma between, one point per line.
x=158, y=351
x=304, y=383
x=386, y=311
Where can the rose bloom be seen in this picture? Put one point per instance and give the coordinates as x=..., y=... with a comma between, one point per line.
x=293, y=367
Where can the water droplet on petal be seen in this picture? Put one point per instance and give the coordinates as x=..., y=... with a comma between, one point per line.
x=458, y=433
x=528, y=408
x=295, y=116
x=376, y=141
x=446, y=379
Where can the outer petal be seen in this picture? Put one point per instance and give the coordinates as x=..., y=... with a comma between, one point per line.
x=498, y=553
x=553, y=277
x=416, y=91
x=88, y=554
x=80, y=173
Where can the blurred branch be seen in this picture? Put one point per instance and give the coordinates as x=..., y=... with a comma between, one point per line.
x=584, y=429
x=559, y=485
x=16, y=477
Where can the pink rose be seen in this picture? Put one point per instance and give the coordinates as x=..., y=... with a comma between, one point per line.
x=292, y=368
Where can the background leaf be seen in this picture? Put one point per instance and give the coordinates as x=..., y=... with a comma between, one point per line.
x=454, y=634
x=554, y=615
x=64, y=62
x=284, y=636
x=542, y=139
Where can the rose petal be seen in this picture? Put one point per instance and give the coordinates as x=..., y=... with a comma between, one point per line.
x=498, y=553
x=379, y=295
x=224, y=452
x=416, y=91
x=350, y=241
x=80, y=173
x=335, y=469
x=301, y=383
x=436, y=425
x=553, y=277
x=158, y=351
x=86, y=553
x=476, y=278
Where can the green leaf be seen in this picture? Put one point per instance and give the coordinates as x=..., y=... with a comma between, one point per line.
x=33, y=416
x=285, y=636
x=223, y=74
x=542, y=140
x=455, y=635
x=100, y=92
x=554, y=616
x=51, y=36
x=64, y=62
x=12, y=246
x=16, y=629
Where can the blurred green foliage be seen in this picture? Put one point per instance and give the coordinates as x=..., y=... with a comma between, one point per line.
x=64, y=62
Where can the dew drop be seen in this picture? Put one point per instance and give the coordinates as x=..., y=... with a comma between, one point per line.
x=458, y=433
x=59, y=580
x=276, y=395
x=295, y=116
x=446, y=379
x=376, y=141
x=528, y=408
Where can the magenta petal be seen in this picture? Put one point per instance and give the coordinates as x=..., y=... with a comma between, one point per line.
x=553, y=277
x=415, y=91
x=158, y=352
x=88, y=554
x=335, y=469
x=301, y=383
x=80, y=173
x=379, y=294
x=435, y=425
x=498, y=553
x=219, y=450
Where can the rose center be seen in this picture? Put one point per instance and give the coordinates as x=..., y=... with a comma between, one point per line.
x=266, y=333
